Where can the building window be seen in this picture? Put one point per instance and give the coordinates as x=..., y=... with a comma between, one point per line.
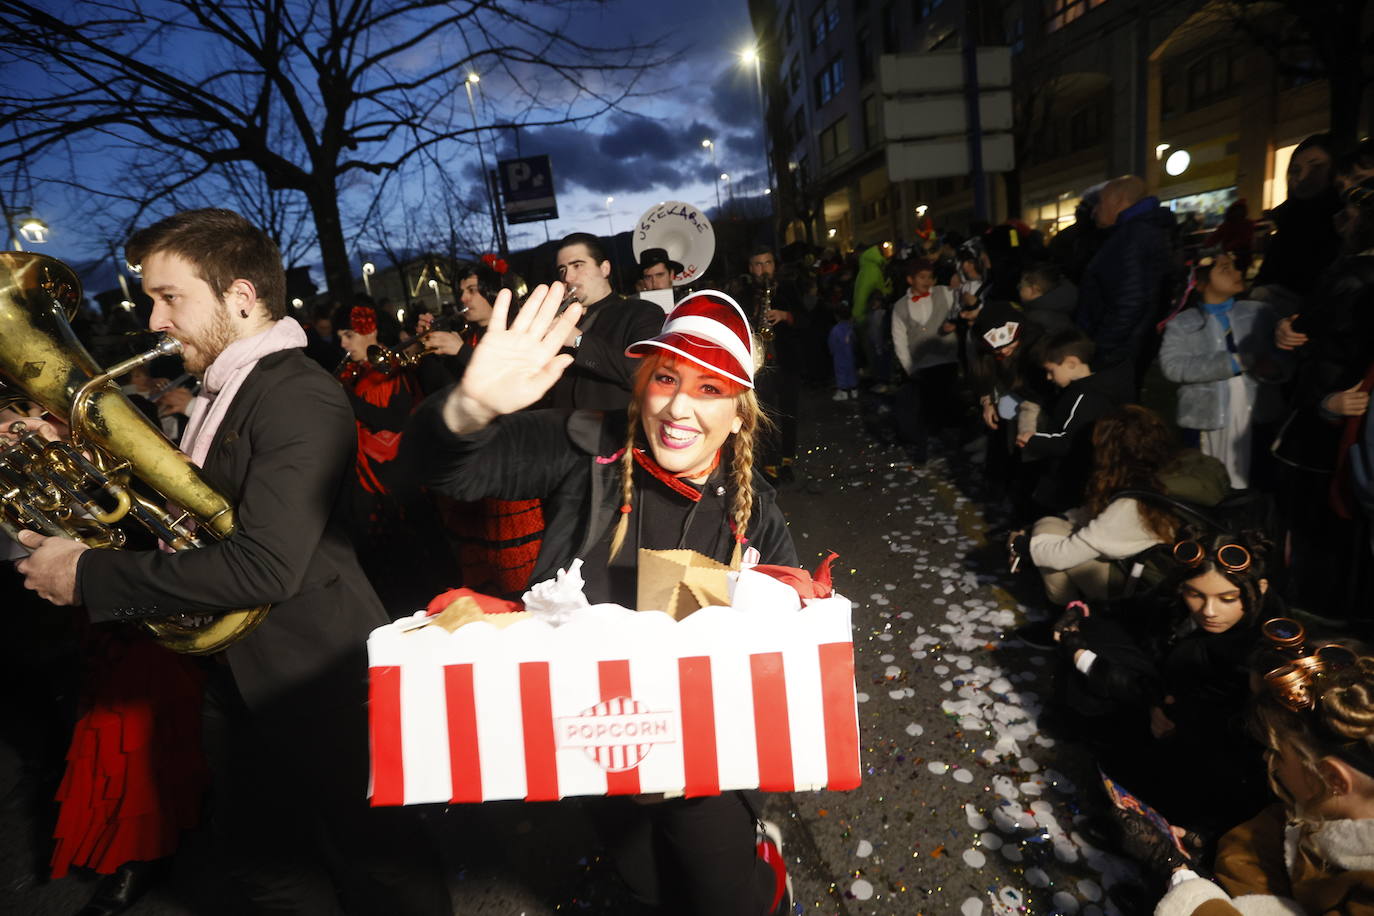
x=830, y=80
x=799, y=126
x=865, y=52
x=835, y=140
x=1085, y=128
x=794, y=76
x=1211, y=79
x=789, y=26
x=924, y=8
x=824, y=20
x=1059, y=13
x=871, y=135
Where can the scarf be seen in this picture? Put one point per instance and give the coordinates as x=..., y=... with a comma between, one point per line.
x=224, y=378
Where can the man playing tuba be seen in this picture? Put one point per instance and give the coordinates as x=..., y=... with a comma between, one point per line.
x=283, y=719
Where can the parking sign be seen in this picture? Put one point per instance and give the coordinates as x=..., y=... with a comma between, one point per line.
x=527, y=188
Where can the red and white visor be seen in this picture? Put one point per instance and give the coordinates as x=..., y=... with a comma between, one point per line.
x=710, y=329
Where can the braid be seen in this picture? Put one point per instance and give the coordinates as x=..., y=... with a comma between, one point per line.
x=627, y=467
x=742, y=467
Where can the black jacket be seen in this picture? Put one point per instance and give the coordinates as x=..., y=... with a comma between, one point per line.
x=1125, y=284
x=281, y=456
x=1339, y=322
x=1305, y=242
x=562, y=458
x=601, y=375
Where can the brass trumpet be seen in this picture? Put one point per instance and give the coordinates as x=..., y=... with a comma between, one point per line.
x=83, y=488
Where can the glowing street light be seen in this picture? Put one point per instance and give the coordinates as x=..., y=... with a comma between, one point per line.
x=749, y=56
x=368, y=270
x=724, y=176
x=1178, y=162
x=474, y=78
x=34, y=230
x=438, y=305
x=711, y=145
x=610, y=224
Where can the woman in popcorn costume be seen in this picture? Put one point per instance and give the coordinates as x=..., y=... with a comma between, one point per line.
x=674, y=470
x=1314, y=852
x=393, y=527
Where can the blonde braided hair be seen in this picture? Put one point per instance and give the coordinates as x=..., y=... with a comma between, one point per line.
x=752, y=421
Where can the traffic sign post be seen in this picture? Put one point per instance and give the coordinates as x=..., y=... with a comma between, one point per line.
x=527, y=189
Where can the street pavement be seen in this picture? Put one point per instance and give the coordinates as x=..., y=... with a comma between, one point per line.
x=967, y=806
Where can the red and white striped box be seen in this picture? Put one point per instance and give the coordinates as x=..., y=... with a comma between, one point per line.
x=616, y=702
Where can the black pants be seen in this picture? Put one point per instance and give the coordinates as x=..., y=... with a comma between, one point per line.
x=779, y=391
x=290, y=814
x=688, y=856
x=927, y=403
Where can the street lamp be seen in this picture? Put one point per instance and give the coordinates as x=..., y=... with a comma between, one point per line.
x=438, y=306
x=710, y=145
x=34, y=230
x=368, y=270
x=750, y=58
x=472, y=80
x=610, y=224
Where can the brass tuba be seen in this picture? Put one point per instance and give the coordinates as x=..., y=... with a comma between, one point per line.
x=81, y=489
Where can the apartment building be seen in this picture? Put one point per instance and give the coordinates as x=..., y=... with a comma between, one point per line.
x=1169, y=89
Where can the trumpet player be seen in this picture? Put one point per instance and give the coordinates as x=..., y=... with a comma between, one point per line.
x=601, y=376
x=283, y=720
x=392, y=525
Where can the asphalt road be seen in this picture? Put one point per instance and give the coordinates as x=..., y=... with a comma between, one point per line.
x=967, y=806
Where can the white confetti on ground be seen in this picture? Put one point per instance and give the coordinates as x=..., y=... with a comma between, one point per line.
x=865, y=849
x=862, y=890
x=915, y=730
x=964, y=776
x=975, y=820
x=937, y=767
x=1037, y=877
x=1065, y=902
x=972, y=907
x=990, y=840
x=974, y=859
x=1089, y=889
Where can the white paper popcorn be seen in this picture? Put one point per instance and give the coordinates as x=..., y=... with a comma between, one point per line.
x=555, y=601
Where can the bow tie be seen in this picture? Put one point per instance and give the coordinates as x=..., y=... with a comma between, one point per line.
x=917, y=297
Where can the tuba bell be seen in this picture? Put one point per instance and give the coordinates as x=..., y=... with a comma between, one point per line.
x=82, y=489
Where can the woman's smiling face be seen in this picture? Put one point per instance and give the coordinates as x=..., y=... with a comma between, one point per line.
x=687, y=412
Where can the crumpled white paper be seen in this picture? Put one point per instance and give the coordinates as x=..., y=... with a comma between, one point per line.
x=750, y=590
x=556, y=600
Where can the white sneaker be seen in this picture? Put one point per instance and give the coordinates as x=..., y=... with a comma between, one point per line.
x=841, y=394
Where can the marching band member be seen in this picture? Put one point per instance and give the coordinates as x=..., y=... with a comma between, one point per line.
x=658, y=269
x=283, y=721
x=392, y=525
x=601, y=375
x=675, y=469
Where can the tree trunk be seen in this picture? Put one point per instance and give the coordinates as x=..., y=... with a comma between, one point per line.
x=324, y=205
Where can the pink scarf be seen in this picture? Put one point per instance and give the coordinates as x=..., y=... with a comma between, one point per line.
x=223, y=378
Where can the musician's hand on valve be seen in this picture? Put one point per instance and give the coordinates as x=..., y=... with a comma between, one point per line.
x=174, y=400
x=445, y=343
x=777, y=316
x=517, y=360
x=50, y=567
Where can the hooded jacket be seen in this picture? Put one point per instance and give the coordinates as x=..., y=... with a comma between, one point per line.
x=1125, y=284
x=869, y=280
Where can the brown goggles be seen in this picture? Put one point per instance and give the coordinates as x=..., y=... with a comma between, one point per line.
x=1299, y=683
x=1234, y=558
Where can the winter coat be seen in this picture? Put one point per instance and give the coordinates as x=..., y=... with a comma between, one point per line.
x=919, y=342
x=565, y=459
x=870, y=279
x=1118, y=532
x=1339, y=323
x=1126, y=283
x=1262, y=871
x=1194, y=354
x=1304, y=244
x=1054, y=310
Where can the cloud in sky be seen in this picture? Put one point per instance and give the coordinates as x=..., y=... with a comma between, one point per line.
x=647, y=152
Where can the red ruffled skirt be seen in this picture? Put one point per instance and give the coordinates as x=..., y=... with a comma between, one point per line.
x=136, y=774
